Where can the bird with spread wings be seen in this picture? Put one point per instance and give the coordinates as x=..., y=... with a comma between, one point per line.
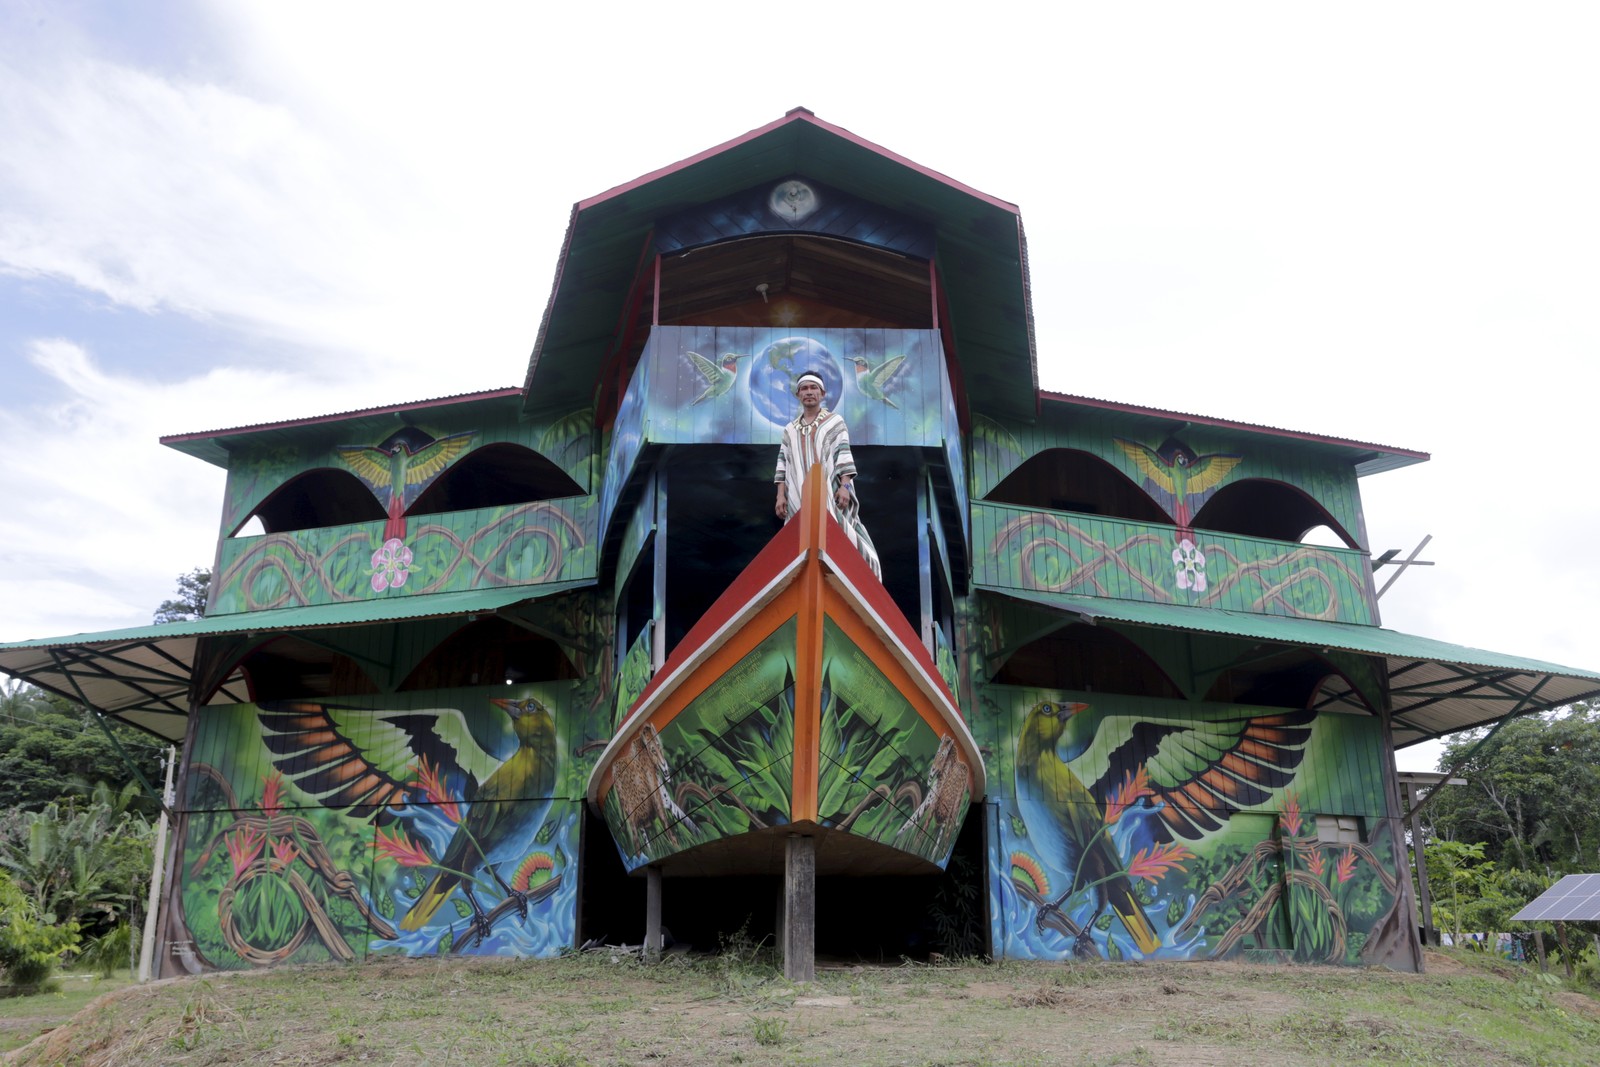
x=1177, y=475
x=400, y=467
x=1079, y=768
x=494, y=776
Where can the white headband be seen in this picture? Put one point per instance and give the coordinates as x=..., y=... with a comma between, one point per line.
x=809, y=377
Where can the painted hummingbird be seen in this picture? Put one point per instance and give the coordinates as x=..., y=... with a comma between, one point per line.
x=877, y=382
x=400, y=467
x=1177, y=473
x=719, y=378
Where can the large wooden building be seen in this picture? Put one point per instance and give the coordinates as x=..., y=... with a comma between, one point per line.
x=506, y=672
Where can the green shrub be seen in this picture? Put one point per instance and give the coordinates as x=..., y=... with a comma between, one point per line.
x=29, y=948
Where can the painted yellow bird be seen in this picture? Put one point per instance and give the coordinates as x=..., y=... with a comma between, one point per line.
x=1064, y=821
x=504, y=808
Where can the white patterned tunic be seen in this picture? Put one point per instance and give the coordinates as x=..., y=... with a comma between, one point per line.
x=825, y=441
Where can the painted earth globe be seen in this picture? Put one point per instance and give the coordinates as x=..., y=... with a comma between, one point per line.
x=777, y=366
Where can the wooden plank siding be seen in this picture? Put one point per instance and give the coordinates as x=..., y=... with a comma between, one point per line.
x=519, y=544
x=1063, y=552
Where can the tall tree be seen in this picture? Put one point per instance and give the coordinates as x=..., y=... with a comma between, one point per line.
x=1533, y=791
x=190, y=603
x=51, y=748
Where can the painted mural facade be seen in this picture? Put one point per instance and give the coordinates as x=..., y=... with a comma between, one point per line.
x=411, y=824
x=1132, y=828
x=1174, y=813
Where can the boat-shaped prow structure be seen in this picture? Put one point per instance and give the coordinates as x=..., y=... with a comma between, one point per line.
x=802, y=705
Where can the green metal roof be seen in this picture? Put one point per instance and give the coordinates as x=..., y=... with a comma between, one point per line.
x=213, y=446
x=982, y=254
x=1364, y=457
x=1435, y=687
x=142, y=674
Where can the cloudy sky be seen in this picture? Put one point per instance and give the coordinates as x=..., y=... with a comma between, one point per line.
x=1373, y=221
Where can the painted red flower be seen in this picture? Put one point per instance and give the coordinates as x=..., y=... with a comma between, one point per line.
x=243, y=848
x=1316, y=863
x=272, y=793
x=431, y=785
x=1291, y=813
x=284, y=852
x=1135, y=787
x=1152, y=864
x=1346, y=867
x=401, y=850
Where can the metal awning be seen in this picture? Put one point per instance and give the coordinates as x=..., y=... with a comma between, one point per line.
x=142, y=675
x=1435, y=687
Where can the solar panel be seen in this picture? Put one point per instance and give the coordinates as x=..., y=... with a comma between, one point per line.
x=1576, y=898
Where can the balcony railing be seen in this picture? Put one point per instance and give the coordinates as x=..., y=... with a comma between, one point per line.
x=1086, y=555
x=519, y=544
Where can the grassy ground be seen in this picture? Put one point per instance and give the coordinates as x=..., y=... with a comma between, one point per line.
x=732, y=1009
x=24, y=1018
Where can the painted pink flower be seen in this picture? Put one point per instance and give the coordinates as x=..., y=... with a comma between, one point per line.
x=1152, y=864
x=284, y=852
x=391, y=565
x=431, y=784
x=1191, y=565
x=1316, y=863
x=272, y=794
x=243, y=848
x=1136, y=786
x=1291, y=813
x=1346, y=867
x=402, y=851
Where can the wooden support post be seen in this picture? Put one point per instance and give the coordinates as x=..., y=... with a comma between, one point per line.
x=1538, y=943
x=1430, y=936
x=1566, y=953
x=652, y=912
x=800, y=909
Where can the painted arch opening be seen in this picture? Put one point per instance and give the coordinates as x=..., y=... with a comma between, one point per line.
x=317, y=498
x=289, y=667
x=1067, y=479
x=496, y=475
x=490, y=651
x=1084, y=658
x=1261, y=507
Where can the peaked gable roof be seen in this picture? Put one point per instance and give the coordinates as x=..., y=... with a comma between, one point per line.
x=982, y=254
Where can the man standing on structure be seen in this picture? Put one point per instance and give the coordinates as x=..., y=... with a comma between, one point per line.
x=818, y=435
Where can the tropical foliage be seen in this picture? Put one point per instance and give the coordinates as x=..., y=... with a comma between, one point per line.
x=1532, y=797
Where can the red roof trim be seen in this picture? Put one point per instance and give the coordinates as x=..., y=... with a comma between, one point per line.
x=415, y=405
x=798, y=114
x=1227, y=424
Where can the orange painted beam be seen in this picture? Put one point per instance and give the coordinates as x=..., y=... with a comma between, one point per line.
x=808, y=650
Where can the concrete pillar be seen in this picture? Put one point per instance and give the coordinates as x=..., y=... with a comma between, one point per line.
x=800, y=909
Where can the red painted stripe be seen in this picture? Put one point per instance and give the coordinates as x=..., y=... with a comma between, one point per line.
x=798, y=114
